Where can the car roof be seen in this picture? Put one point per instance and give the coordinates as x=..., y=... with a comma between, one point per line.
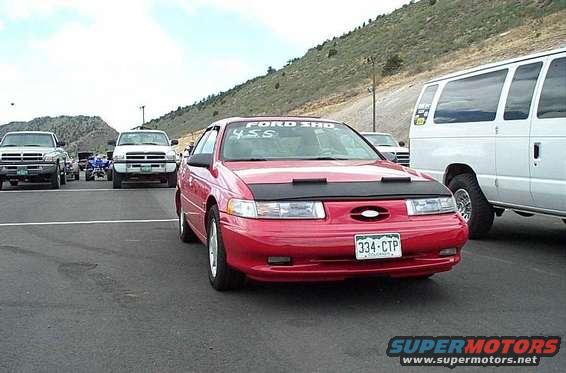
x=130, y=131
x=226, y=121
x=31, y=132
x=496, y=64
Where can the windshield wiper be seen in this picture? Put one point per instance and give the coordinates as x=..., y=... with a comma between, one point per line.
x=127, y=143
x=248, y=160
x=150, y=143
x=9, y=145
x=30, y=145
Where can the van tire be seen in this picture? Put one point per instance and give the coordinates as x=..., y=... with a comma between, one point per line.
x=482, y=213
x=116, y=180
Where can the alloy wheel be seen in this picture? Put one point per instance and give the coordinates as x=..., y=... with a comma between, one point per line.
x=463, y=204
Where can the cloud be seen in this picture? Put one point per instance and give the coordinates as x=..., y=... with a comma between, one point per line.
x=304, y=23
x=1, y=25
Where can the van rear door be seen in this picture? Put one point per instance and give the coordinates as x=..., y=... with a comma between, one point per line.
x=548, y=139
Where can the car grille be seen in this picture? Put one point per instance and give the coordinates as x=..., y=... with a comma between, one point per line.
x=149, y=156
x=18, y=157
x=403, y=158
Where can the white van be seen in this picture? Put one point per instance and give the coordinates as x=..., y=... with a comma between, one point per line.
x=496, y=136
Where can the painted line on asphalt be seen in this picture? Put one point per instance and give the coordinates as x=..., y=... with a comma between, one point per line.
x=79, y=190
x=88, y=222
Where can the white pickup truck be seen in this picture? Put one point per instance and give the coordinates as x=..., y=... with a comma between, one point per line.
x=141, y=155
x=32, y=156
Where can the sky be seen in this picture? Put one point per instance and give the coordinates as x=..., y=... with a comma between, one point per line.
x=109, y=57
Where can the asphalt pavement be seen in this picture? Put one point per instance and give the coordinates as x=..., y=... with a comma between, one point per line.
x=102, y=284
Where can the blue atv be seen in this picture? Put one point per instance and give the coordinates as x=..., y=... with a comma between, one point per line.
x=98, y=166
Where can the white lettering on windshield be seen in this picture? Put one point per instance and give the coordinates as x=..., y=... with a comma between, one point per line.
x=291, y=124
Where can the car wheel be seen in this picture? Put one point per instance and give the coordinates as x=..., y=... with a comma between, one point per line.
x=186, y=233
x=472, y=205
x=172, y=180
x=13, y=183
x=116, y=180
x=63, y=178
x=77, y=176
x=56, y=179
x=109, y=175
x=221, y=276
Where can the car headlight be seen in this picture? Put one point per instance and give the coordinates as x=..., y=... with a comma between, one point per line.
x=428, y=206
x=50, y=157
x=171, y=155
x=119, y=156
x=276, y=210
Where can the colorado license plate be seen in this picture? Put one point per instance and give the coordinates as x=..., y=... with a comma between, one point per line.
x=145, y=168
x=378, y=246
x=22, y=171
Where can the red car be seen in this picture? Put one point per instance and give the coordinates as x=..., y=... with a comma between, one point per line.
x=307, y=199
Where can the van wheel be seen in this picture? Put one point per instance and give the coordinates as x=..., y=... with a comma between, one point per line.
x=472, y=205
x=221, y=276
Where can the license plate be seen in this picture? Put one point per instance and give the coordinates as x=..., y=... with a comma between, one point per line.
x=22, y=171
x=145, y=168
x=378, y=246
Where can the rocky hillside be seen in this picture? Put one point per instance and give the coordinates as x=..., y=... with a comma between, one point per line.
x=412, y=40
x=79, y=132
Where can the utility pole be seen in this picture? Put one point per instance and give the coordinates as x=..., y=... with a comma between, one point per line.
x=143, y=114
x=371, y=60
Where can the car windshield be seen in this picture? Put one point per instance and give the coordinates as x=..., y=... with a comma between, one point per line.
x=378, y=139
x=143, y=138
x=28, y=139
x=275, y=140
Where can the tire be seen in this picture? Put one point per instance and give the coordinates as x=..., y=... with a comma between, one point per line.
x=116, y=180
x=479, y=214
x=221, y=276
x=13, y=183
x=1, y=183
x=186, y=233
x=64, y=178
x=109, y=175
x=87, y=177
x=56, y=179
x=172, y=180
x=77, y=176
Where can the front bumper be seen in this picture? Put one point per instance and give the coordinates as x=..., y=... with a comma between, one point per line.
x=9, y=170
x=325, y=252
x=137, y=166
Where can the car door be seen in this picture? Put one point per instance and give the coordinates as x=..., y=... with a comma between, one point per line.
x=548, y=140
x=512, y=135
x=199, y=183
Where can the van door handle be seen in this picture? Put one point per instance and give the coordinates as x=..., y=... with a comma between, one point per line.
x=536, y=150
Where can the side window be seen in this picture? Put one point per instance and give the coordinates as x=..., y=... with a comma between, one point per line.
x=200, y=144
x=521, y=92
x=208, y=147
x=423, y=108
x=472, y=99
x=552, y=102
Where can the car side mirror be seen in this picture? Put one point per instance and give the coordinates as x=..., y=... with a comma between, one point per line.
x=61, y=143
x=174, y=142
x=402, y=144
x=203, y=160
x=112, y=142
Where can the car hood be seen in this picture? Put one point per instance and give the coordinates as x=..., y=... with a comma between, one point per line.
x=273, y=172
x=26, y=149
x=392, y=149
x=141, y=148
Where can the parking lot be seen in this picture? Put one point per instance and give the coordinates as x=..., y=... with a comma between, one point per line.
x=112, y=288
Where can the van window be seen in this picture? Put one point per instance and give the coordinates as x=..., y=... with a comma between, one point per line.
x=521, y=92
x=472, y=99
x=423, y=107
x=553, y=97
